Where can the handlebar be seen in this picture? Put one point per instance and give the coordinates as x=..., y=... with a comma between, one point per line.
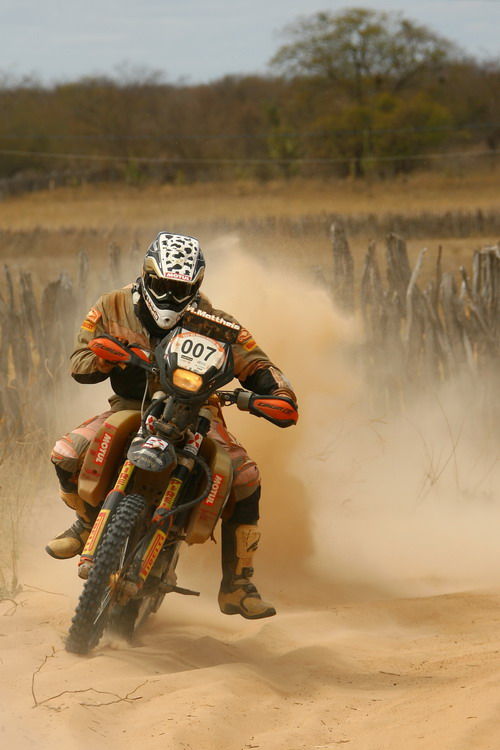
x=280, y=410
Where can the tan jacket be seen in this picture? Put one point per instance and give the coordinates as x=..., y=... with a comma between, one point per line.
x=114, y=313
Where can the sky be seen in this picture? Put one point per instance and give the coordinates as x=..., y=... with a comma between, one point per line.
x=193, y=41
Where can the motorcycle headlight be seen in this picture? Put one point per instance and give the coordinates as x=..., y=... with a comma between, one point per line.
x=187, y=380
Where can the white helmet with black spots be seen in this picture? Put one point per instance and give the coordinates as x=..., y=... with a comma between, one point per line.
x=172, y=272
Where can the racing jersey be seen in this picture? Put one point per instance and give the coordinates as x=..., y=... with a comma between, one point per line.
x=116, y=313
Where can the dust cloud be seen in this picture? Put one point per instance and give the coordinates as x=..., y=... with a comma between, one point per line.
x=355, y=498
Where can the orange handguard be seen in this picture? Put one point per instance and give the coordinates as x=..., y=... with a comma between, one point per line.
x=112, y=350
x=280, y=410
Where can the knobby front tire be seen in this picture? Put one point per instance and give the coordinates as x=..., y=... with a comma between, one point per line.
x=93, y=609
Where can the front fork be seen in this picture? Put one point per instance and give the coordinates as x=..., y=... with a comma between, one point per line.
x=109, y=506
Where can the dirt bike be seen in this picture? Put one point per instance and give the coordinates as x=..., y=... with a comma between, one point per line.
x=157, y=476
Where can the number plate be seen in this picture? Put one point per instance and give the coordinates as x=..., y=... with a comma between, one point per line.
x=197, y=353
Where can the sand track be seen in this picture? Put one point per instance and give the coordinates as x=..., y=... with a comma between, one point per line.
x=373, y=674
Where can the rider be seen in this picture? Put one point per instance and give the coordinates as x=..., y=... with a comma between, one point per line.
x=142, y=313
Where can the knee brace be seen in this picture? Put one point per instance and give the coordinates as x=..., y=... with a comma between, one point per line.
x=66, y=478
x=246, y=511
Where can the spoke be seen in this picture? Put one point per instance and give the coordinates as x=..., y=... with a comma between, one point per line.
x=109, y=593
x=104, y=605
x=122, y=557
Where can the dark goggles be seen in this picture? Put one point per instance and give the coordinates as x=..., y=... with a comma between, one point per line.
x=170, y=289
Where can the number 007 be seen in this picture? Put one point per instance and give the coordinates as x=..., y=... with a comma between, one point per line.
x=197, y=350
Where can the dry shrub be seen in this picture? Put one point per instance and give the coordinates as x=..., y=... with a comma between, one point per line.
x=24, y=469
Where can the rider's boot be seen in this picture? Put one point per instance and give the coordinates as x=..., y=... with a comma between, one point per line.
x=238, y=595
x=71, y=542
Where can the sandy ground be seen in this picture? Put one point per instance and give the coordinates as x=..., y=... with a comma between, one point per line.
x=372, y=673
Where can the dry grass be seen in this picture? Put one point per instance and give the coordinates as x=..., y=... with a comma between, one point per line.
x=24, y=470
x=120, y=205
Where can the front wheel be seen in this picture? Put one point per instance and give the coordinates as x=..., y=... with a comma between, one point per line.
x=96, y=600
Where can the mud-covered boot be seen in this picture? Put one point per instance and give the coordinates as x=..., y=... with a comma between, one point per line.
x=238, y=595
x=71, y=542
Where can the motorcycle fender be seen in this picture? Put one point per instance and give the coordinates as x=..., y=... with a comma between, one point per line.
x=206, y=514
x=105, y=451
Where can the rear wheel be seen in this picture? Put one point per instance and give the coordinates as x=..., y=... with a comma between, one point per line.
x=96, y=601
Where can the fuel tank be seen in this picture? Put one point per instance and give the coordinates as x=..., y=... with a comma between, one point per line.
x=105, y=450
x=205, y=515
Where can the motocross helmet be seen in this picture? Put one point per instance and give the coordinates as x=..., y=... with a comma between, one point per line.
x=172, y=272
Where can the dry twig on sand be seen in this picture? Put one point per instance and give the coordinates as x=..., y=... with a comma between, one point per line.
x=116, y=698
x=29, y=586
x=15, y=605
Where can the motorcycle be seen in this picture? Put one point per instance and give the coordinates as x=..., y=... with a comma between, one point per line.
x=157, y=476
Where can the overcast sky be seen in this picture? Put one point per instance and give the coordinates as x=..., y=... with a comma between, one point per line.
x=195, y=40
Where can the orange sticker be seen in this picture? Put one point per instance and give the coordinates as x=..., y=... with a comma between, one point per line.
x=244, y=335
x=246, y=338
x=92, y=319
x=152, y=552
x=94, y=315
x=96, y=532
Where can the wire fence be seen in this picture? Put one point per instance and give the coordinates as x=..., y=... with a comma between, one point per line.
x=295, y=134
x=180, y=160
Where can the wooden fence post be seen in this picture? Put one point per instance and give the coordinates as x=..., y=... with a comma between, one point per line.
x=398, y=268
x=343, y=269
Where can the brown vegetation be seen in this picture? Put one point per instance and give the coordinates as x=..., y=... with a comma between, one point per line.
x=359, y=93
x=121, y=206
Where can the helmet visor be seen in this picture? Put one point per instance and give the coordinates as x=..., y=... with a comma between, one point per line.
x=165, y=290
